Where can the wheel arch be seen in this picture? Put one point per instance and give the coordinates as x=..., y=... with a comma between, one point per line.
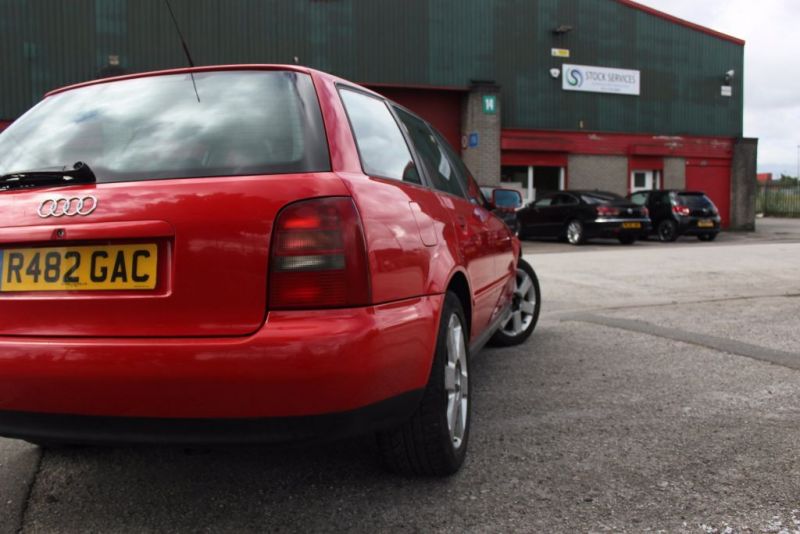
x=459, y=285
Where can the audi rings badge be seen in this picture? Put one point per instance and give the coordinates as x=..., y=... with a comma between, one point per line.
x=69, y=207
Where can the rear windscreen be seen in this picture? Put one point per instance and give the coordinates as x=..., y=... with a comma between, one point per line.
x=599, y=198
x=694, y=200
x=157, y=127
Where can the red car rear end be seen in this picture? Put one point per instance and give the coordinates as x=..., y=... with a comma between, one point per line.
x=231, y=268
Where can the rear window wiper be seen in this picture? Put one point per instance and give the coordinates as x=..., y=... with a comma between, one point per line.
x=80, y=173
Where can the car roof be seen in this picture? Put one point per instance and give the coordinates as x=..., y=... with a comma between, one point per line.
x=214, y=68
x=589, y=192
x=676, y=191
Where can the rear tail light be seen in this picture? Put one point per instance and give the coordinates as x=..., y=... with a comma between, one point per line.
x=645, y=212
x=319, y=257
x=681, y=210
x=607, y=211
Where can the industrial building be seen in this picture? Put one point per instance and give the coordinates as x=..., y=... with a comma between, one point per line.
x=539, y=95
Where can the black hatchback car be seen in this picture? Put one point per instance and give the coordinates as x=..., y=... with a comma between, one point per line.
x=675, y=213
x=580, y=215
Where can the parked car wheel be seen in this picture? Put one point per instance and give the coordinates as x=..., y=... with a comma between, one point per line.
x=707, y=237
x=575, y=233
x=525, y=309
x=627, y=239
x=667, y=231
x=434, y=441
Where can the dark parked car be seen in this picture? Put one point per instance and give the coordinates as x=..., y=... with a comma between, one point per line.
x=581, y=215
x=505, y=203
x=676, y=213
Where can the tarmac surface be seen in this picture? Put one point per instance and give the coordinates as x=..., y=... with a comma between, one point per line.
x=659, y=393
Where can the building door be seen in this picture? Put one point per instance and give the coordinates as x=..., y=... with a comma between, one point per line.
x=645, y=180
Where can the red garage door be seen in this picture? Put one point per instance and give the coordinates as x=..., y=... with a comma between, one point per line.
x=440, y=107
x=714, y=179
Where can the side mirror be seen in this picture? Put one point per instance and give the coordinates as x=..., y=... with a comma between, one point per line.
x=506, y=198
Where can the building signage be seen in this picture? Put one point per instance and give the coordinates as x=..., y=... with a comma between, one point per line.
x=600, y=80
x=490, y=104
x=559, y=52
x=473, y=140
x=726, y=90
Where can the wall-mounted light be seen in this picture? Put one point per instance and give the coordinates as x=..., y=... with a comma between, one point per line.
x=555, y=73
x=562, y=29
x=729, y=76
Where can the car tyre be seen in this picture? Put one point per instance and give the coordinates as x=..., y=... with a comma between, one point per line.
x=525, y=308
x=433, y=442
x=627, y=239
x=667, y=231
x=707, y=237
x=575, y=233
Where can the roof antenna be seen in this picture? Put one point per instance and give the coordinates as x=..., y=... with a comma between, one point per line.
x=185, y=48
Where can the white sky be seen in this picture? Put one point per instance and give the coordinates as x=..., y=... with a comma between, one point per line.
x=772, y=68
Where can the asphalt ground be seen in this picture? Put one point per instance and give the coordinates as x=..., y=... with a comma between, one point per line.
x=659, y=393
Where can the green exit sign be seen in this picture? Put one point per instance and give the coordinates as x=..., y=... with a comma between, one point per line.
x=490, y=104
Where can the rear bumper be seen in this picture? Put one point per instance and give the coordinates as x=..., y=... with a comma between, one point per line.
x=689, y=225
x=615, y=227
x=298, y=365
x=93, y=429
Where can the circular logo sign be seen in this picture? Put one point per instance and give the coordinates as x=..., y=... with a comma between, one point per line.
x=69, y=207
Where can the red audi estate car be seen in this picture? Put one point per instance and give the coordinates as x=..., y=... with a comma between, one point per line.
x=246, y=254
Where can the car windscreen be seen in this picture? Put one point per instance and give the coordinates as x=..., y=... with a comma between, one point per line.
x=157, y=127
x=694, y=200
x=599, y=198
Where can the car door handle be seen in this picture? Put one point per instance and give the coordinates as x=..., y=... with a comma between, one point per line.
x=461, y=221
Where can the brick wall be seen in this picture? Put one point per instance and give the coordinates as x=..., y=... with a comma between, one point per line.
x=674, y=173
x=483, y=160
x=607, y=173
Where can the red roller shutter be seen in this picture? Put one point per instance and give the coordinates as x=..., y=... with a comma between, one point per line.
x=714, y=179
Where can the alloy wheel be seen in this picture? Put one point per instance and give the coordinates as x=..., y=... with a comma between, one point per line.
x=456, y=381
x=574, y=232
x=666, y=231
x=523, y=305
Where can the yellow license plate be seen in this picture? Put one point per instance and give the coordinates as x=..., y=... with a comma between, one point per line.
x=112, y=267
x=705, y=224
x=631, y=225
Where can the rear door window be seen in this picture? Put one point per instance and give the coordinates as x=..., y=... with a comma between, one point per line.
x=694, y=201
x=438, y=166
x=157, y=127
x=381, y=144
x=564, y=200
x=599, y=198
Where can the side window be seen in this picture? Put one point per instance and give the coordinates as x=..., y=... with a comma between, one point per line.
x=639, y=198
x=564, y=200
x=462, y=172
x=436, y=163
x=660, y=199
x=381, y=144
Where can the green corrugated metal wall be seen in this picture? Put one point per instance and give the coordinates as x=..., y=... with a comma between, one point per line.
x=49, y=43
